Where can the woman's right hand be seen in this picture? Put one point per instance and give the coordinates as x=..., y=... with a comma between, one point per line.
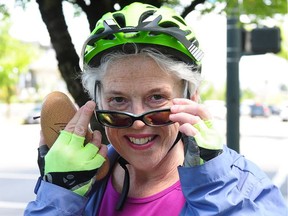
x=70, y=163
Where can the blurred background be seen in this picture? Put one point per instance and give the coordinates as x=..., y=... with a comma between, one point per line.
x=40, y=43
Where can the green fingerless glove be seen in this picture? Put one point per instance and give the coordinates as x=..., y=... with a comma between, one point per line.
x=208, y=139
x=71, y=164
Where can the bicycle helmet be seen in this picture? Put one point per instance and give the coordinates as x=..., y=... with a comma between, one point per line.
x=144, y=25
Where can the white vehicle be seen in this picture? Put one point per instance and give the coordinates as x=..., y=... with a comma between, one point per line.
x=35, y=112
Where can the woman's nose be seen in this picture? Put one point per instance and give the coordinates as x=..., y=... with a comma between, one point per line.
x=138, y=110
x=138, y=124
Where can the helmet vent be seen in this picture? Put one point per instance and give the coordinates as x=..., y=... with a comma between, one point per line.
x=154, y=33
x=145, y=15
x=99, y=31
x=179, y=19
x=110, y=37
x=168, y=24
x=120, y=19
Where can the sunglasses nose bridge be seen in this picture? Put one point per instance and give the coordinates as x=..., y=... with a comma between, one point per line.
x=138, y=118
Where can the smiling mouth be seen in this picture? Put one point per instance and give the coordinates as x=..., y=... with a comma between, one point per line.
x=140, y=141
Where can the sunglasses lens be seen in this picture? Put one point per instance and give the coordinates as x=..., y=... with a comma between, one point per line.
x=123, y=120
x=158, y=118
x=114, y=119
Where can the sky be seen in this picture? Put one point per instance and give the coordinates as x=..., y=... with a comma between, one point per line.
x=28, y=24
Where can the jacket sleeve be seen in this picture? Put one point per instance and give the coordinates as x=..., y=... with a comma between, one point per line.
x=54, y=200
x=229, y=185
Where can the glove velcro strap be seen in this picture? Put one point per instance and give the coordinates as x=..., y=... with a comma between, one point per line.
x=71, y=179
x=208, y=154
x=42, y=151
x=191, y=152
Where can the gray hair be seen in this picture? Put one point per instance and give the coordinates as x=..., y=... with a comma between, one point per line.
x=190, y=74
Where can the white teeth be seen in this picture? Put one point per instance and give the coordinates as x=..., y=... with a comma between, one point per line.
x=140, y=141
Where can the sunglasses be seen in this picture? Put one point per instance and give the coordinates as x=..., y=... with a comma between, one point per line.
x=117, y=119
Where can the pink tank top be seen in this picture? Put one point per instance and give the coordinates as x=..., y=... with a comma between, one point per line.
x=167, y=202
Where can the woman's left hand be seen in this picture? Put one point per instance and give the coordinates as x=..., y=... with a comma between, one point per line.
x=195, y=121
x=188, y=113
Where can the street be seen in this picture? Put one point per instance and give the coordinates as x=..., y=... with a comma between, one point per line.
x=263, y=140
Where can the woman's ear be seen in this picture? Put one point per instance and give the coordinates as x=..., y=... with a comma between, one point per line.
x=195, y=97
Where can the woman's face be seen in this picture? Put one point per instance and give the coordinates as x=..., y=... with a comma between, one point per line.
x=136, y=84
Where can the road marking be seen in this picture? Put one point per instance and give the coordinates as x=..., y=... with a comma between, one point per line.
x=19, y=176
x=12, y=205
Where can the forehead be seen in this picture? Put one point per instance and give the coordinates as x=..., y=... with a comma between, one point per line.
x=136, y=67
x=138, y=77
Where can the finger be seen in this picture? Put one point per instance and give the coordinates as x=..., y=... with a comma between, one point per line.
x=92, y=147
x=182, y=101
x=103, y=150
x=89, y=136
x=98, y=161
x=90, y=151
x=183, y=118
x=71, y=124
x=80, y=123
x=97, y=140
x=188, y=106
x=188, y=130
x=81, y=126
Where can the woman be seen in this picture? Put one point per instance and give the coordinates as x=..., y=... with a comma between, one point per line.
x=166, y=158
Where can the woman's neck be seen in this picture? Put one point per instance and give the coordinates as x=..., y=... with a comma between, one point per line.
x=145, y=183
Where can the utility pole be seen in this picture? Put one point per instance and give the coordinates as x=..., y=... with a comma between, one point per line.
x=233, y=87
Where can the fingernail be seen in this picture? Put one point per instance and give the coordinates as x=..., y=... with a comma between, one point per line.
x=174, y=108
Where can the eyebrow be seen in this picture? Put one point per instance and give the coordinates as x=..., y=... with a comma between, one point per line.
x=161, y=90
x=113, y=92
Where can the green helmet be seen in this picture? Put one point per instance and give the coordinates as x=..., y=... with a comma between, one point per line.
x=144, y=25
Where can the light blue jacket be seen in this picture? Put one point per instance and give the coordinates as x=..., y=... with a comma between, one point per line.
x=227, y=185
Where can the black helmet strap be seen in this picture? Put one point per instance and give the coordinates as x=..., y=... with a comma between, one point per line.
x=126, y=182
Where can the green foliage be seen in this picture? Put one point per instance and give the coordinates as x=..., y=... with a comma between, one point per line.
x=3, y=12
x=15, y=57
x=264, y=8
x=247, y=94
x=258, y=9
x=209, y=92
